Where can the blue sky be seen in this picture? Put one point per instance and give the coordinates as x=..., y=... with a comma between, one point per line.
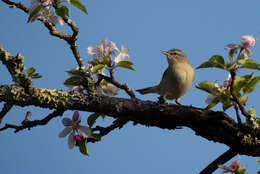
x=199, y=28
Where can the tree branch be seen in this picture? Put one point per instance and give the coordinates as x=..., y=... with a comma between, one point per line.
x=119, y=123
x=6, y=108
x=117, y=84
x=214, y=126
x=226, y=156
x=34, y=123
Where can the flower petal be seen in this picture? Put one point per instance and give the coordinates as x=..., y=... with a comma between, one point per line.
x=121, y=57
x=232, y=46
x=209, y=99
x=248, y=41
x=85, y=131
x=71, y=141
x=65, y=132
x=66, y=121
x=76, y=118
x=248, y=52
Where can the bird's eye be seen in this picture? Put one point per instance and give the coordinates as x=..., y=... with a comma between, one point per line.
x=174, y=53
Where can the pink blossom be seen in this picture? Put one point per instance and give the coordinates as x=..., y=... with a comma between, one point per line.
x=104, y=49
x=122, y=54
x=247, y=42
x=71, y=127
x=45, y=14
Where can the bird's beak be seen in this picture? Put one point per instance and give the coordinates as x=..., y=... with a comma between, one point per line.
x=165, y=53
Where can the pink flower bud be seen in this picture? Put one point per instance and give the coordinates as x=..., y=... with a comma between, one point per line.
x=77, y=138
x=248, y=41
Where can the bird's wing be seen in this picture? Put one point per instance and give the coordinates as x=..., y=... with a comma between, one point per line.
x=164, y=76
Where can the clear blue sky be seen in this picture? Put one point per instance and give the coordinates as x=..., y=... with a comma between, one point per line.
x=199, y=28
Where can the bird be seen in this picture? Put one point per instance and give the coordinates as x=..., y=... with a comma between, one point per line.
x=176, y=79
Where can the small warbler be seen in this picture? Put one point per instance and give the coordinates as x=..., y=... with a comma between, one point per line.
x=176, y=80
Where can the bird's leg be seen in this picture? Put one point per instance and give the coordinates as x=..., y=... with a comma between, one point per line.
x=161, y=100
x=177, y=101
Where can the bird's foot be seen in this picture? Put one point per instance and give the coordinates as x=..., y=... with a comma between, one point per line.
x=161, y=100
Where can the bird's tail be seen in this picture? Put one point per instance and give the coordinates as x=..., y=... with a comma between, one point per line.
x=152, y=89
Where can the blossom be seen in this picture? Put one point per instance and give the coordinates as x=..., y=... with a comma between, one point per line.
x=45, y=14
x=232, y=167
x=122, y=54
x=72, y=127
x=104, y=49
x=247, y=42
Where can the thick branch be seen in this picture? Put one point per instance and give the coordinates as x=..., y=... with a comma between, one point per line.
x=214, y=126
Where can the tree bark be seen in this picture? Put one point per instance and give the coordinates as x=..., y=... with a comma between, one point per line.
x=213, y=125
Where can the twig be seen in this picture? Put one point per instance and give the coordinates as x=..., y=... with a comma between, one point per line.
x=234, y=98
x=119, y=123
x=5, y=109
x=237, y=114
x=17, y=5
x=117, y=84
x=70, y=39
x=34, y=123
x=226, y=156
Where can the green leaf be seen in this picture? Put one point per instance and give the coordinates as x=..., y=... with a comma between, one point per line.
x=126, y=64
x=214, y=62
x=95, y=62
x=240, y=82
x=79, y=5
x=92, y=119
x=253, y=114
x=62, y=11
x=97, y=68
x=107, y=60
x=251, y=64
x=83, y=147
x=210, y=87
x=96, y=136
x=74, y=72
x=242, y=58
x=30, y=71
x=243, y=100
x=226, y=104
x=250, y=87
x=36, y=76
x=35, y=12
x=74, y=81
x=230, y=66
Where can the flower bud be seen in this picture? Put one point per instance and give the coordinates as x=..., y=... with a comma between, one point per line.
x=248, y=41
